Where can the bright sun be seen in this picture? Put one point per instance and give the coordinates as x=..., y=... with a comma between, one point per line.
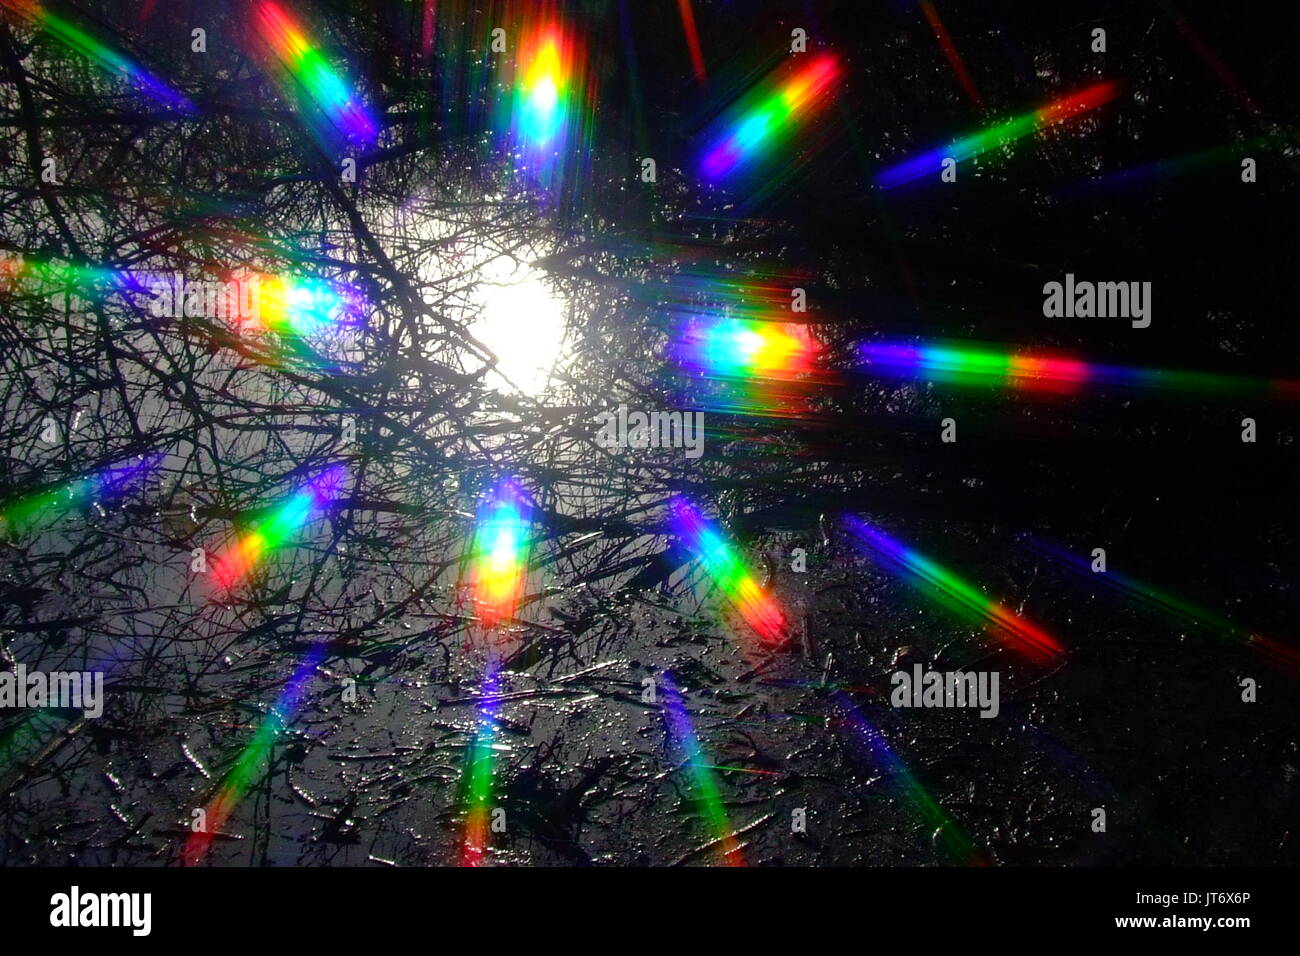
x=522, y=320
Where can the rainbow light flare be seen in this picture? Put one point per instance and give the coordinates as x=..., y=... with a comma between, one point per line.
x=300, y=306
x=105, y=57
x=765, y=118
x=1169, y=603
x=740, y=348
x=947, y=589
x=50, y=277
x=930, y=163
x=307, y=77
x=32, y=511
x=918, y=798
x=544, y=109
x=286, y=521
x=499, y=554
x=479, y=763
x=957, y=364
x=752, y=368
x=294, y=306
x=681, y=735
x=253, y=761
x=541, y=97
x=731, y=338
x=724, y=566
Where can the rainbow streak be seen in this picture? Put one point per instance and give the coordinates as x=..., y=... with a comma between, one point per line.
x=307, y=77
x=681, y=736
x=957, y=595
x=295, y=307
x=749, y=367
x=1058, y=111
x=479, y=762
x=105, y=57
x=300, y=306
x=941, y=826
x=724, y=566
x=499, y=554
x=544, y=113
x=953, y=364
x=35, y=510
x=286, y=521
x=730, y=338
x=49, y=277
x=692, y=39
x=740, y=348
x=950, y=51
x=253, y=761
x=1168, y=603
x=766, y=118
x=69, y=285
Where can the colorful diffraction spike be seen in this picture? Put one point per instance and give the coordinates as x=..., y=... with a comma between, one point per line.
x=307, y=77
x=546, y=109
x=480, y=761
x=102, y=55
x=543, y=91
x=64, y=285
x=53, y=277
x=296, y=307
x=692, y=40
x=285, y=522
x=950, y=51
x=704, y=786
x=750, y=368
x=1169, y=604
x=499, y=554
x=956, y=364
x=922, y=805
x=254, y=761
x=949, y=590
x=764, y=120
x=741, y=356
x=931, y=163
x=32, y=512
x=724, y=566
x=301, y=306
x=740, y=348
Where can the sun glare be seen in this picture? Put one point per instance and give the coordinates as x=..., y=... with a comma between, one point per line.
x=522, y=320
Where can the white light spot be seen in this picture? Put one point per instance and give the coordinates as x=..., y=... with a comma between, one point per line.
x=522, y=320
